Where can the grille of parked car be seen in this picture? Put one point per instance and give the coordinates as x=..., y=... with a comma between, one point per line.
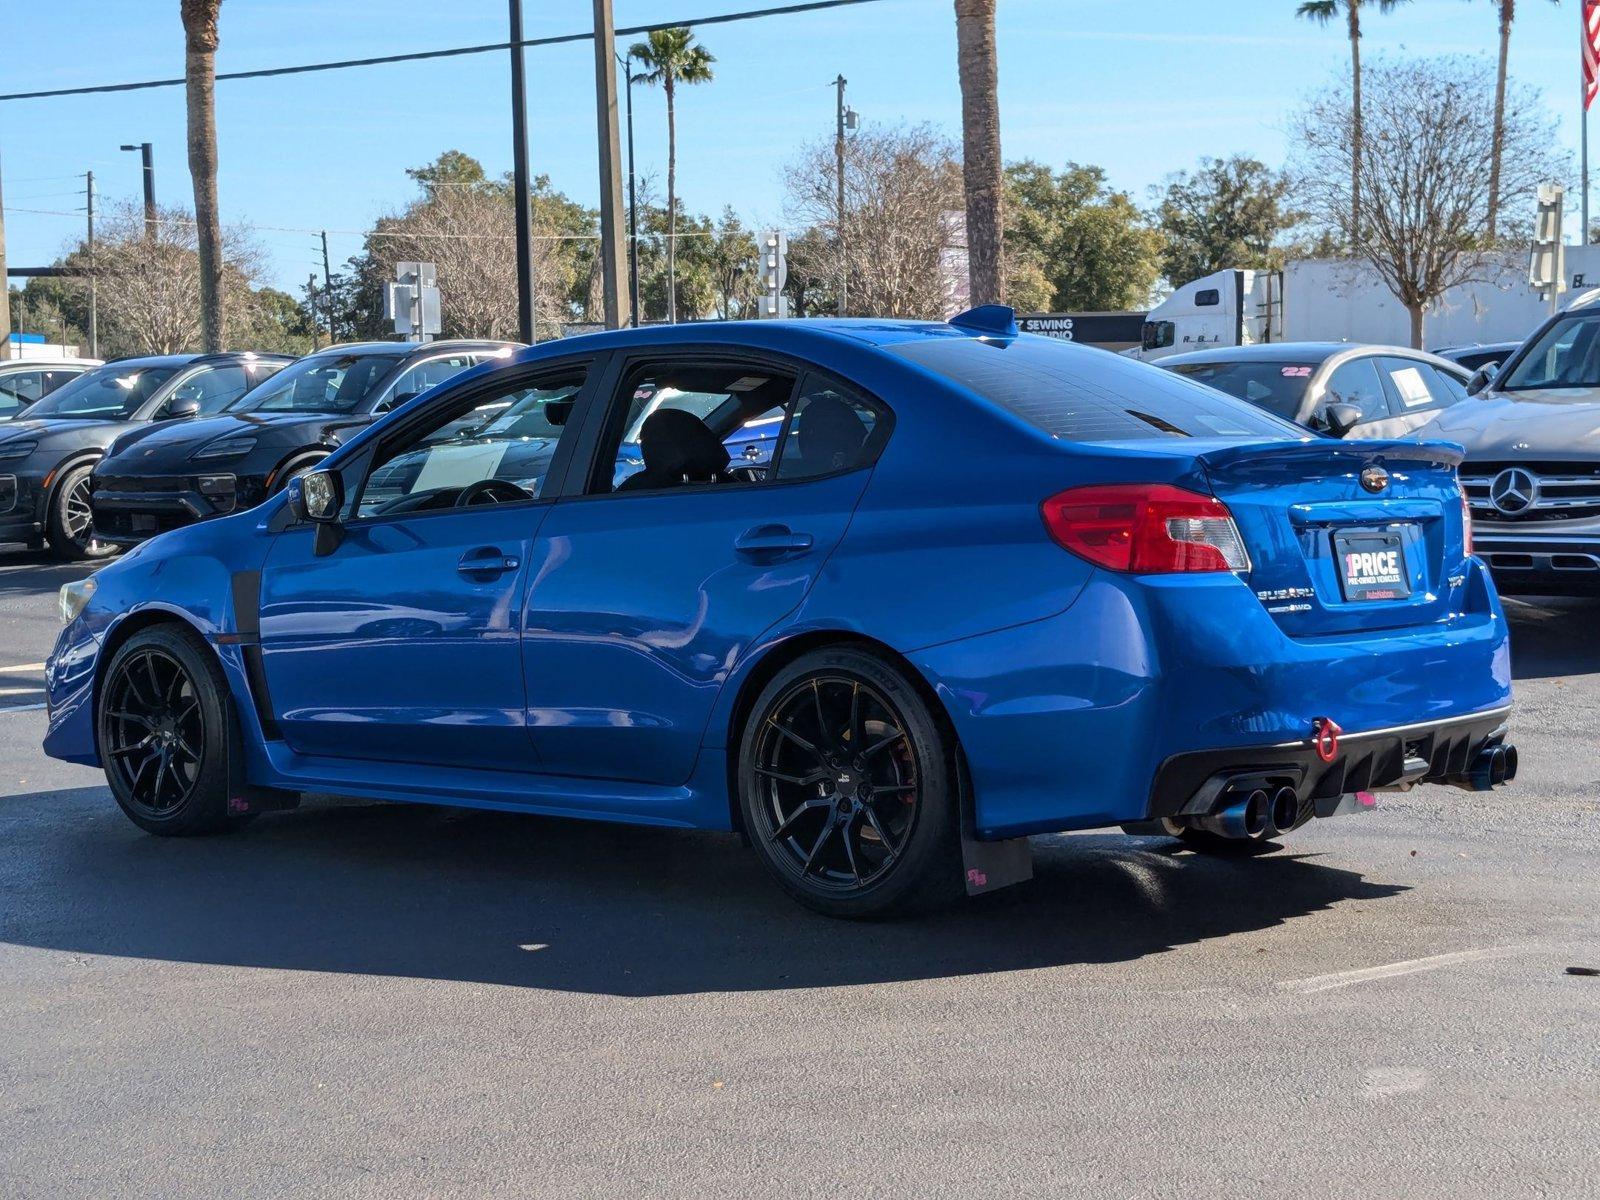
x=1521, y=491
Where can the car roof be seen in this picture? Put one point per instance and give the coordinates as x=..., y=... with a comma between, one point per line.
x=1289, y=352
x=792, y=335
x=153, y=360
x=34, y=364
x=407, y=349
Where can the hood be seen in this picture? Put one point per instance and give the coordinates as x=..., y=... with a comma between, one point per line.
x=1560, y=423
x=174, y=441
x=62, y=429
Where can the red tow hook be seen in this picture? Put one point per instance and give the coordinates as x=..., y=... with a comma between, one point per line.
x=1325, y=733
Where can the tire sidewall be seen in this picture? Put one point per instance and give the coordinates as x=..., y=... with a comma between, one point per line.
x=929, y=867
x=62, y=545
x=205, y=809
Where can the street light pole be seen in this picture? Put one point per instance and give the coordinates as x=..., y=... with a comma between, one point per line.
x=5, y=289
x=838, y=152
x=519, y=181
x=146, y=158
x=94, y=299
x=633, y=201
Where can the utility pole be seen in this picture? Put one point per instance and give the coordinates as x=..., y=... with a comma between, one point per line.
x=617, y=299
x=94, y=299
x=519, y=181
x=311, y=295
x=634, y=304
x=5, y=287
x=327, y=289
x=146, y=158
x=838, y=153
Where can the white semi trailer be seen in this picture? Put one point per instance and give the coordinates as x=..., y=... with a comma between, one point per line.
x=1330, y=300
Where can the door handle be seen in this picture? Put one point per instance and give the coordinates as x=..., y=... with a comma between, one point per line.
x=769, y=540
x=487, y=560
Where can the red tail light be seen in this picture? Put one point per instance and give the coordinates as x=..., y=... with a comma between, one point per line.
x=1466, y=524
x=1146, y=528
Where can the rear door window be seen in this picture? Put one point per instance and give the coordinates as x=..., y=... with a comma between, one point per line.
x=1082, y=395
x=20, y=388
x=1356, y=382
x=1414, y=386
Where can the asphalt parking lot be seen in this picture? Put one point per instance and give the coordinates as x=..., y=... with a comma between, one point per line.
x=381, y=1000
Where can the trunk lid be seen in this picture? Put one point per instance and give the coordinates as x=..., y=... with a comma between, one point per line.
x=1346, y=537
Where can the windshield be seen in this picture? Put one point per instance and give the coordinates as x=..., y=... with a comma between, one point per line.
x=1083, y=395
x=322, y=383
x=110, y=393
x=1278, y=387
x=1566, y=355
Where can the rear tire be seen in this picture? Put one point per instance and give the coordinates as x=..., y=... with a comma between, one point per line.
x=165, y=734
x=848, y=787
x=69, y=526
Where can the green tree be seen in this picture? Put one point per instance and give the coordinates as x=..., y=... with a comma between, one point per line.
x=671, y=57
x=1226, y=213
x=1092, y=244
x=1322, y=12
x=1507, y=11
x=453, y=168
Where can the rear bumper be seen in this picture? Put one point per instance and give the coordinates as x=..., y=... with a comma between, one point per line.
x=1426, y=752
x=1110, y=712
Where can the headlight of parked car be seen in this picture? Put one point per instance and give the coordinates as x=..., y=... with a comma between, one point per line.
x=75, y=597
x=11, y=451
x=232, y=446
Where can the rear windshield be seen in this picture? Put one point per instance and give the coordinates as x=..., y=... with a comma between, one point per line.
x=1084, y=395
x=1277, y=387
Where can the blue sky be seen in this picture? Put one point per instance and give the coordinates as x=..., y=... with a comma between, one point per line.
x=1140, y=88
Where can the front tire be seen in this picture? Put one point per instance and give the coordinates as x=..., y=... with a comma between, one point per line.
x=69, y=526
x=848, y=787
x=164, y=733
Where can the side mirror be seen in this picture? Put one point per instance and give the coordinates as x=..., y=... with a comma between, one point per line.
x=318, y=497
x=183, y=407
x=1341, y=418
x=1482, y=378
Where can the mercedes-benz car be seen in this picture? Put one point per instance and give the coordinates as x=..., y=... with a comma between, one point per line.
x=157, y=479
x=46, y=457
x=1532, y=471
x=1335, y=388
x=1127, y=600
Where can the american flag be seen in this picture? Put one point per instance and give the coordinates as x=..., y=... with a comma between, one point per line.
x=1591, y=51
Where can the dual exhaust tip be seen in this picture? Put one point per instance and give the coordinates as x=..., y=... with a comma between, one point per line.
x=1257, y=814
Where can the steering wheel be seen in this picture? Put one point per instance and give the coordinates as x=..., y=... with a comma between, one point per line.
x=491, y=491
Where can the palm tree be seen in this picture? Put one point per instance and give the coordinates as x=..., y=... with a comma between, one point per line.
x=1508, y=13
x=671, y=57
x=200, y=80
x=981, y=168
x=1323, y=11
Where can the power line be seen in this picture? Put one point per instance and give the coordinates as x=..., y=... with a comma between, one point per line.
x=452, y=52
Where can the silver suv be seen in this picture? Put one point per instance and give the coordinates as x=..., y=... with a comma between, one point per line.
x=1532, y=473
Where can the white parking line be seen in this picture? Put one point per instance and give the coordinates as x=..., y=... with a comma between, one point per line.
x=1411, y=966
x=21, y=668
x=21, y=691
x=22, y=708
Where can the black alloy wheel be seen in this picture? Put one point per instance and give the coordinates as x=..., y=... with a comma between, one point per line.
x=847, y=787
x=163, y=733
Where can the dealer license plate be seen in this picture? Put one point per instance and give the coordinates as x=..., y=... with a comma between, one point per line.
x=1372, y=566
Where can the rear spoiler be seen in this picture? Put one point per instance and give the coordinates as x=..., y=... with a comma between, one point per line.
x=1331, y=452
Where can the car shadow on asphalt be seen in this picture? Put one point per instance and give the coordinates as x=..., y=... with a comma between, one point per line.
x=583, y=907
x=1553, y=636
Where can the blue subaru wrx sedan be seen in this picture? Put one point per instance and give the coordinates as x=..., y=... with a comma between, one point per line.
x=984, y=585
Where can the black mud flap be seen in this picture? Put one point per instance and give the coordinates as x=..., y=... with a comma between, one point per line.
x=245, y=797
x=989, y=866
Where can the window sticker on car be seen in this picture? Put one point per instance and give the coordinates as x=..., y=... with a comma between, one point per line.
x=1413, y=390
x=459, y=466
x=747, y=383
x=1296, y=372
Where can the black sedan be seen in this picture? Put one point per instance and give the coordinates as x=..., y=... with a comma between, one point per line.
x=157, y=479
x=47, y=455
